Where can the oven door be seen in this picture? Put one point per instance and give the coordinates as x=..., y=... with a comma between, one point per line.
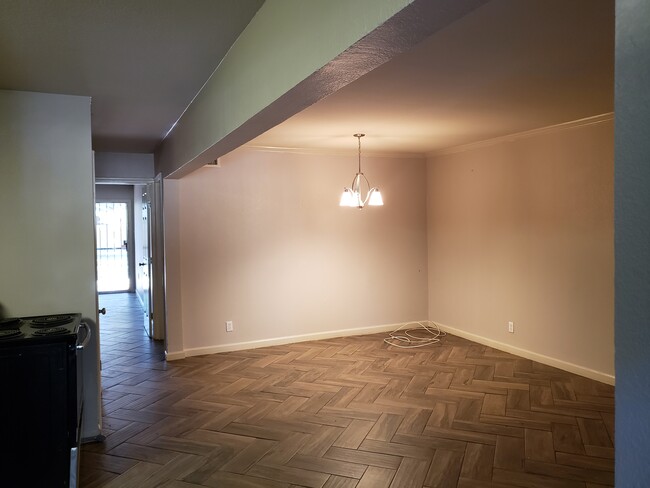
x=35, y=429
x=75, y=449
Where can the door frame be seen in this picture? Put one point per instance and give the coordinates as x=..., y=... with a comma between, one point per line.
x=157, y=288
x=130, y=252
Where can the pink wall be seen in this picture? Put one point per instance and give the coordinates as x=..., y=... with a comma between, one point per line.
x=262, y=242
x=522, y=230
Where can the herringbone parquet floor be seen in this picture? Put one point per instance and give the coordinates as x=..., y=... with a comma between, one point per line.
x=349, y=412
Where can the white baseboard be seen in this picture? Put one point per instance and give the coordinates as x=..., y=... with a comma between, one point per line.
x=172, y=356
x=375, y=329
x=525, y=353
x=278, y=341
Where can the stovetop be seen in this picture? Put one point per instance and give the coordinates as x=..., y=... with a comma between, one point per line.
x=39, y=328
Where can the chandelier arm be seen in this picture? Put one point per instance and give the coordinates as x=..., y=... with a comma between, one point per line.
x=365, y=200
x=355, y=182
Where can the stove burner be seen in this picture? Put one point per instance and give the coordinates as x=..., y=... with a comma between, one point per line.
x=50, y=331
x=10, y=334
x=10, y=323
x=51, y=320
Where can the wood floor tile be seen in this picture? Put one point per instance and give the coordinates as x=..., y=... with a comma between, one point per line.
x=330, y=466
x=364, y=457
x=594, y=433
x=571, y=472
x=533, y=480
x=250, y=455
x=354, y=434
x=342, y=413
x=222, y=479
x=385, y=427
x=375, y=477
x=566, y=438
x=444, y=469
x=411, y=473
x=302, y=477
x=478, y=462
x=143, y=453
x=340, y=482
x=539, y=445
x=110, y=463
x=494, y=405
x=509, y=453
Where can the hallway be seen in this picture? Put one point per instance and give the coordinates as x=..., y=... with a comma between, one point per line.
x=128, y=357
x=124, y=342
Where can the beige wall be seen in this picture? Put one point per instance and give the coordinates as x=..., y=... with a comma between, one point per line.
x=47, y=249
x=522, y=230
x=264, y=243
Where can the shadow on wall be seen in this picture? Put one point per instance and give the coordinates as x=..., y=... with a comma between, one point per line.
x=3, y=312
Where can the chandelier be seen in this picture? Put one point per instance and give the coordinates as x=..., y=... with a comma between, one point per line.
x=351, y=197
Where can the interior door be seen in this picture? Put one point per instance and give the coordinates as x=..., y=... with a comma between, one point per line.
x=143, y=257
x=157, y=259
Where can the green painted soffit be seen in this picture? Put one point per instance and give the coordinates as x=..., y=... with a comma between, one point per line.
x=292, y=54
x=284, y=43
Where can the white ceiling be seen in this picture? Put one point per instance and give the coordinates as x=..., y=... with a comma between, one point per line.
x=141, y=61
x=507, y=67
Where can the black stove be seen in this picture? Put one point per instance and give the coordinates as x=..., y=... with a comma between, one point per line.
x=40, y=376
x=10, y=323
x=29, y=326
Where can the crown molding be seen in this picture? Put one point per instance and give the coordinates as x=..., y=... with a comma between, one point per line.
x=593, y=120
x=334, y=152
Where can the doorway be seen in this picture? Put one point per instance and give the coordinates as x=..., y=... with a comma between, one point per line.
x=112, y=247
x=130, y=254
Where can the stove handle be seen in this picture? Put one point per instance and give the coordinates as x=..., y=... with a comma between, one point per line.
x=84, y=343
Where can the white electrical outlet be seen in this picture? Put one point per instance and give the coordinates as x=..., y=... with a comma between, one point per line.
x=511, y=327
x=229, y=326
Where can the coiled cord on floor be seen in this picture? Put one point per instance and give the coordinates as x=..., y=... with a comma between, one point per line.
x=415, y=334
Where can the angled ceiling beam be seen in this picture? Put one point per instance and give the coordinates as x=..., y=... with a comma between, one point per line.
x=292, y=54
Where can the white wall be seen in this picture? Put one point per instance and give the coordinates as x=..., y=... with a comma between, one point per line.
x=522, y=230
x=47, y=216
x=263, y=242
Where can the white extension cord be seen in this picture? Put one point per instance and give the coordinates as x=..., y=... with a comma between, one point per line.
x=415, y=334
